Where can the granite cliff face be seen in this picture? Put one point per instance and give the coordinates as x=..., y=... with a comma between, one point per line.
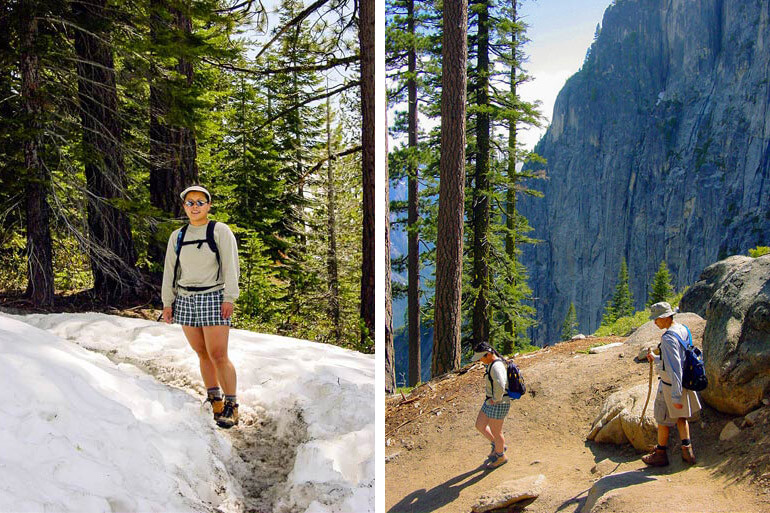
x=659, y=148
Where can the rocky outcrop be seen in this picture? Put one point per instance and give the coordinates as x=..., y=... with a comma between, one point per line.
x=697, y=297
x=736, y=342
x=664, y=136
x=619, y=421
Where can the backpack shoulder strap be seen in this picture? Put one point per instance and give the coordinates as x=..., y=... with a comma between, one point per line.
x=213, y=245
x=179, y=240
x=686, y=347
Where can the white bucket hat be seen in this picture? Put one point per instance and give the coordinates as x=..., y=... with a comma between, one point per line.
x=661, y=309
x=195, y=188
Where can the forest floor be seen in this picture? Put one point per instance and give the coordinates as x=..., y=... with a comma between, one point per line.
x=435, y=456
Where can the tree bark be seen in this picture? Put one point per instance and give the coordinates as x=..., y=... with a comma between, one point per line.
x=449, y=244
x=173, y=149
x=111, y=251
x=413, y=292
x=366, y=41
x=40, y=286
x=390, y=367
x=331, y=256
x=480, y=282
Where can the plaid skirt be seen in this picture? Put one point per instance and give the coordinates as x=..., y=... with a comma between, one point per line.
x=200, y=309
x=496, y=411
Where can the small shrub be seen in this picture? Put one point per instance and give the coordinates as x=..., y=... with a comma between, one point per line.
x=759, y=251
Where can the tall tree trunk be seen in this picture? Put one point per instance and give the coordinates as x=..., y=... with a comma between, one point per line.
x=112, y=253
x=510, y=194
x=481, y=191
x=40, y=287
x=449, y=243
x=390, y=367
x=413, y=292
x=173, y=149
x=331, y=256
x=366, y=42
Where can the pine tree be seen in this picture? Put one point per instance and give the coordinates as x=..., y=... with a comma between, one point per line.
x=449, y=254
x=661, y=289
x=622, y=302
x=570, y=326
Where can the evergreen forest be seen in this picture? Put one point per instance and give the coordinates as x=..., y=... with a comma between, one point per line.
x=109, y=108
x=456, y=171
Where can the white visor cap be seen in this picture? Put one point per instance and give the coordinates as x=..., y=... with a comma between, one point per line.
x=195, y=188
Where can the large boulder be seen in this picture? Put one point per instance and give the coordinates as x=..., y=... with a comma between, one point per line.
x=648, y=335
x=697, y=297
x=736, y=342
x=619, y=421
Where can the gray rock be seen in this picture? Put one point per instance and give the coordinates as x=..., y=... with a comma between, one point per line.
x=697, y=297
x=579, y=336
x=510, y=492
x=657, y=134
x=736, y=342
x=619, y=421
x=729, y=432
x=604, y=348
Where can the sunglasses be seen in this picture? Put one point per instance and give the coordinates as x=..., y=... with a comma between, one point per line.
x=200, y=203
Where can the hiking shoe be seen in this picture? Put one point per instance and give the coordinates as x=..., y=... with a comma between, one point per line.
x=687, y=455
x=499, y=458
x=657, y=458
x=492, y=452
x=229, y=416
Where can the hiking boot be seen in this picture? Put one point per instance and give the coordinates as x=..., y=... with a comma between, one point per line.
x=217, y=406
x=657, y=458
x=687, y=455
x=498, y=459
x=229, y=416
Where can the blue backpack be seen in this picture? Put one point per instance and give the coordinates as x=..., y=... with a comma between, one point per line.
x=693, y=372
x=516, y=387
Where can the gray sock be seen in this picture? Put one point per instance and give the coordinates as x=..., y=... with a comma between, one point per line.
x=214, y=393
x=230, y=398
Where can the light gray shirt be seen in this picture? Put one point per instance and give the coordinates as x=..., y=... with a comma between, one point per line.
x=673, y=356
x=198, y=265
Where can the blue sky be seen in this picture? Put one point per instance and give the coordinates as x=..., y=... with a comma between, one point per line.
x=560, y=32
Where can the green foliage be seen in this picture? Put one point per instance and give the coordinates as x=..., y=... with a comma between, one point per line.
x=569, y=327
x=622, y=302
x=622, y=326
x=661, y=289
x=759, y=251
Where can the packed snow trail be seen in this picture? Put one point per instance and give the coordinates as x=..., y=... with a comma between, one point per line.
x=291, y=392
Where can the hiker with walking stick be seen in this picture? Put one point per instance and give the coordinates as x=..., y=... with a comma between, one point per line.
x=200, y=286
x=674, y=404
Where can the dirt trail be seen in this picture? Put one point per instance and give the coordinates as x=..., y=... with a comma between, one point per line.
x=434, y=453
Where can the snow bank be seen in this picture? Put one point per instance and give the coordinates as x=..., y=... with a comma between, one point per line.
x=79, y=434
x=333, y=387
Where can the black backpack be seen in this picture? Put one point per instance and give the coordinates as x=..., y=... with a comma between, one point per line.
x=516, y=387
x=693, y=373
x=180, y=242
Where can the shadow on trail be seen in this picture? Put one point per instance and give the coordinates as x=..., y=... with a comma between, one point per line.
x=607, y=484
x=423, y=501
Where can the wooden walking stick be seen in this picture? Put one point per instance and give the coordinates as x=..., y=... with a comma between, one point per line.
x=649, y=392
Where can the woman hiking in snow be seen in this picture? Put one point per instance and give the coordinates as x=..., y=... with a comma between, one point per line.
x=496, y=405
x=674, y=405
x=200, y=286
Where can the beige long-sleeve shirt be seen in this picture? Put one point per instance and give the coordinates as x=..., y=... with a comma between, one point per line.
x=198, y=265
x=495, y=388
